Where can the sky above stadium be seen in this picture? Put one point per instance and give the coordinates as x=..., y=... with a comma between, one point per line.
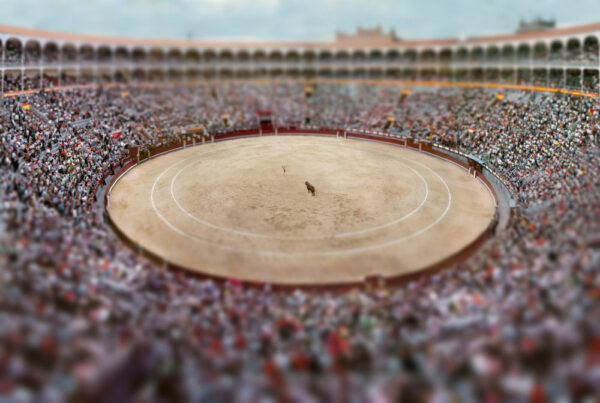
x=289, y=20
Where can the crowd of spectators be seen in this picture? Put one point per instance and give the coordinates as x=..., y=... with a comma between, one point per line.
x=85, y=318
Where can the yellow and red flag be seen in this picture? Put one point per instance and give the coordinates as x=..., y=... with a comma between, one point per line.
x=26, y=106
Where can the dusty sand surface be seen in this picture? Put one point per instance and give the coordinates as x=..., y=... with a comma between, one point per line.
x=228, y=209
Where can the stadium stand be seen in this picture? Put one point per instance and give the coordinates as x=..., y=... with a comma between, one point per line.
x=85, y=318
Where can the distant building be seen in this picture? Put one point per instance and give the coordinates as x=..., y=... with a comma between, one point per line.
x=368, y=35
x=536, y=25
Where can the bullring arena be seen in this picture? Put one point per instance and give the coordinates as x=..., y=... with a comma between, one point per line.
x=229, y=210
x=159, y=241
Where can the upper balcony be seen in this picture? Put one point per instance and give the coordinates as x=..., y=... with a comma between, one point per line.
x=485, y=58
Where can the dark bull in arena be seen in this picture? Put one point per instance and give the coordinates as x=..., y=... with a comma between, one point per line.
x=310, y=187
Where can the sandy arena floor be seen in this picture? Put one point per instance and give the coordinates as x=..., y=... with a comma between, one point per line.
x=227, y=209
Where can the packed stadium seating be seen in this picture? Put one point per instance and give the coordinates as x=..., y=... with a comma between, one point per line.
x=84, y=317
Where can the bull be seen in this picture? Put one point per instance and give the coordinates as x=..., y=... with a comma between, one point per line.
x=310, y=188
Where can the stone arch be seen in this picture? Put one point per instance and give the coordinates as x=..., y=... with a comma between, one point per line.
x=105, y=54
x=556, y=50
x=508, y=53
x=139, y=55
x=590, y=48
x=122, y=56
x=492, y=53
x=50, y=53
x=540, y=51
x=13, y=51
x=523, y=52
x=573, y=49
x=87, y=53
x=477, y=54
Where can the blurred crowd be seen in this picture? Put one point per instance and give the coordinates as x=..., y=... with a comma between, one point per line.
x=85, y=318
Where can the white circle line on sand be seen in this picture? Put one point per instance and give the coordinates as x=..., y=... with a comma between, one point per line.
x=407, y=237
x=300, y=238
x=339, y=252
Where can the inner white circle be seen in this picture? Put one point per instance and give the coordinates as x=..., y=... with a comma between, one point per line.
x=338, y=252
x=299, y=238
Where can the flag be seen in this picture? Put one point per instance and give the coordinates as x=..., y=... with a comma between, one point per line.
x=500, y=96
x=388, y=123
x=405, y=92
x=116, y=134
x=26, y=106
